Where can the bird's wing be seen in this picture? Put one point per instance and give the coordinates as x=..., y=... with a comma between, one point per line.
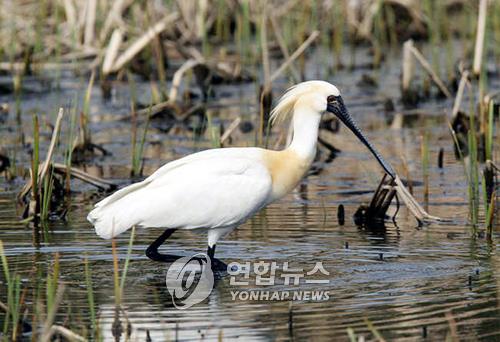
x=215, y=190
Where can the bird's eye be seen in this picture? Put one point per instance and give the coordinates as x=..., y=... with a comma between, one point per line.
x=331, y=99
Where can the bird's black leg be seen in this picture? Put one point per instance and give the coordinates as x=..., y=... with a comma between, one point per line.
x=153, y=254
x=217, y=265
x=211, y=251
x=152, y=250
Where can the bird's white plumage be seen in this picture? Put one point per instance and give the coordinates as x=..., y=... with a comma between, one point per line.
x=217, y=188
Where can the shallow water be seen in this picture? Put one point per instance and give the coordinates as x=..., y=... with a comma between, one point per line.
x=410, y=282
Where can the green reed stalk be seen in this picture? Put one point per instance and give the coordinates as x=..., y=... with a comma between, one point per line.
x=496, y=28
x=489, y=132
x=213, y=131
x=338, y=35
x=127, y=259
x=374, y=330
x=69, y=150
x=18, y=90
x=244, y=31
x=58, y=48
x=489, y=203
x=86, y=136
x=220, y=20
x=473, y=171
x=489, y=207
x=90, y=293
x=48, y=185
x=35, y=161
x=378, y=40
x=138, y=151
x=352, y=335
x=432, y=10
x=467, y=172
x=116, y=273
x=52, y=283
x=391, y=26
x=425, y=167
x=13, y=297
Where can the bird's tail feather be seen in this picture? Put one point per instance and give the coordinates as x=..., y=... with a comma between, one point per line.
x=114, y=214
x=106, y=223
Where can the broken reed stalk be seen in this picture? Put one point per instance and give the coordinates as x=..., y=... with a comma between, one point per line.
x=52, y=146
x=177, y=79
x=46, y=334
x=112, y=51
x=227, y=133
x=480, y=34
x=408, y=66
x=312, y=37
x=460, y=93
x=90, y=18
x=384, y=195
x=283, y=48
x=83, y=176
x=381, y=200
x=420, y=214
x=62, y=169
x=428, y=68
x=143, y=41
x=65, y=332
x=113, y=17
x=38, y=175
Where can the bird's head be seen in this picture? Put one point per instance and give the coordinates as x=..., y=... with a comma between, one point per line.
x=319, y=97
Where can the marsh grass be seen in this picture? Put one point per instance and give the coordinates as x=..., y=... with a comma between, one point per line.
x=13, y=314
x=48, y=186
x=214, y=131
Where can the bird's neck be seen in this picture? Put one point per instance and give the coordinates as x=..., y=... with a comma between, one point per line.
x=305, y=133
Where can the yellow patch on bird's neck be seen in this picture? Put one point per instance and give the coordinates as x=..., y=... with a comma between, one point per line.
x=287, y=169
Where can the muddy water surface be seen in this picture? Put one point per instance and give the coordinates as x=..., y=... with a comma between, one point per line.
x=410, y=282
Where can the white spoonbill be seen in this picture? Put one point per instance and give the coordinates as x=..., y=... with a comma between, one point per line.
x=219, y=189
